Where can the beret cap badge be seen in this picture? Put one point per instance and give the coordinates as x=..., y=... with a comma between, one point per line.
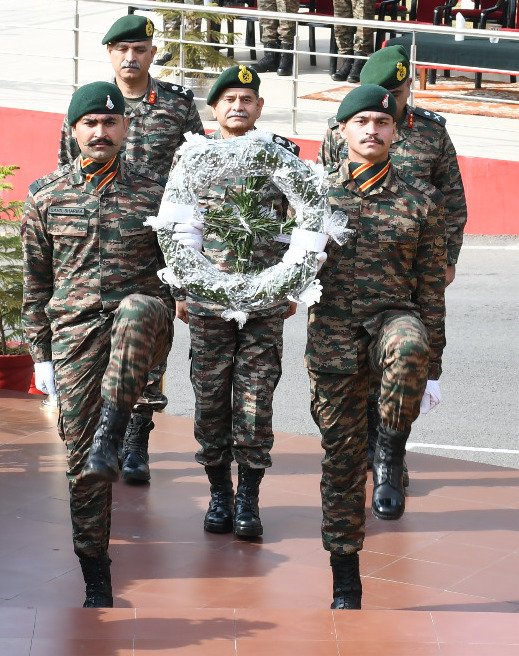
x=244, y=75
x=149, y=28
x=401, y=71
x=109, y=102
x=385, y=101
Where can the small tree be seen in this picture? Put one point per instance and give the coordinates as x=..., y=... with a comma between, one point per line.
x=11, y=268
x=201, y=54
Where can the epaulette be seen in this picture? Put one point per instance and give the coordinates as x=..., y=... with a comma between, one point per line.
x=48, y=179
x=286, y=143
x=178, y=89
x=432, y=116
x=332, y=122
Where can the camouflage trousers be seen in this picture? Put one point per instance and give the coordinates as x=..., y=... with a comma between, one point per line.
x=152, y=397
x=399, y=353
x=344, y=36
x=234, y=372
x=110, y=362
x=273, y=30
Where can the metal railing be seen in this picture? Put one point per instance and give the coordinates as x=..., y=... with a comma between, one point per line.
x=399, y=27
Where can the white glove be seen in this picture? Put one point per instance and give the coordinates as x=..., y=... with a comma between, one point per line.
x=44, y=377
x=189, y=234
x=295, y=255
x=431, y=397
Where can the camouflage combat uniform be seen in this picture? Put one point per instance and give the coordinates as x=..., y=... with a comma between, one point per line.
x=344, y=36
x=423, y=149
x=93, y=304
x=382, y=310
x=234, y=371
x=272, y=30
x=157, y=126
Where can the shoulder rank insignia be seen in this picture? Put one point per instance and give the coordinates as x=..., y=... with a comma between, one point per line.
x=177, y=89
x=431, y=116
x=47, y=179
x=286, y=143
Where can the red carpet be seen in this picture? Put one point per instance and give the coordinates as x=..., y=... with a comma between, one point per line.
x=503, y=91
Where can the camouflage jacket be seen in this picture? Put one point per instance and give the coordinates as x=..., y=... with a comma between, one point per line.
x=267, y=252
x=422, y=148
x=84, y=252
x=157, y=128
x=394, y=263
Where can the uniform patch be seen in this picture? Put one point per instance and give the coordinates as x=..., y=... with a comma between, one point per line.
x=432, y=116
x=286, y=143
x=66, y=211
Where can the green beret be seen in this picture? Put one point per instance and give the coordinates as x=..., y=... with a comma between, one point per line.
x=130, y=28
x=388, y=67
x=234, y=77
x=95, y=98
x=367, y=98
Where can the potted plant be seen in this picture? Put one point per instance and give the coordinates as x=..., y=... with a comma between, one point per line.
x=16, y=365
x=195, y=63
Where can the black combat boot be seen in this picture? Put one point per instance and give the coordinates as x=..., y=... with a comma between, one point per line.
x=373, y=422
x=347, y=587
x=102, y=463
x=269, y=62
x=135, y=467
x=388, y=470
x=218, y=518
x=373, y=417
x=286, y=61
x=358, y=65
x=341, y=74
x=96, y=573
x=247, y=522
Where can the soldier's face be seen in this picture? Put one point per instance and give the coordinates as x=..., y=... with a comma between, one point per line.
x=131, y=61
x=237, y=110
x=100, y=136
x=401, y=95
x=369, y=136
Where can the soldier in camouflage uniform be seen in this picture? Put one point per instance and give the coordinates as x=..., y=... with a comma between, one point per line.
x=382, y=311
x=160, y=113
x=96, y=316
x=234, y=371
x=353, y=42
x=422, y=148
x=277, y=34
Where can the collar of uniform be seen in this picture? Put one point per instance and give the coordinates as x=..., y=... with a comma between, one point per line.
x=347, y=181
x=76, y=177
x=152, y=88
x=152, y=91
x=402, y=127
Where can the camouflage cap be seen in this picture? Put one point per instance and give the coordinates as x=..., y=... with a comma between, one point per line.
x=366, y=97
x=130, y=28
x=95, y=98
x=388, y=67
x=234, y=77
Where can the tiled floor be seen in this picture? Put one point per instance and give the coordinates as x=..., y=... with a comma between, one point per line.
x=443, y=580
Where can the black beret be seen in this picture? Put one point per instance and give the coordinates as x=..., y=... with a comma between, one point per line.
x=387, y=67
x=130, y=28
x=95, y=98
x=367, y=97
x=234, y=77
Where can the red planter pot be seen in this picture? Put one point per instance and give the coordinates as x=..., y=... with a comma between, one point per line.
x=16, y=372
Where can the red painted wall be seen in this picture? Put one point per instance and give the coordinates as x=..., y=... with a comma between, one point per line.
x=30, y=140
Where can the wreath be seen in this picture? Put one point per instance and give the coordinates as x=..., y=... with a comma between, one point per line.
x=207, y=162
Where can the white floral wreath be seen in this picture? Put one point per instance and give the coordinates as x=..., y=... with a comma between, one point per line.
x=205, y=162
